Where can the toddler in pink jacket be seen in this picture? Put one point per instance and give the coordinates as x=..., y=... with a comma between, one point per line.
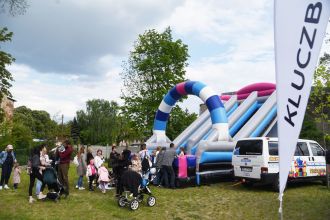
x=103, y=177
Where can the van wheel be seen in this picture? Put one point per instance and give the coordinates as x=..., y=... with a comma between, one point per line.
x=324, y=182
x=247, y=184
x=276, y=184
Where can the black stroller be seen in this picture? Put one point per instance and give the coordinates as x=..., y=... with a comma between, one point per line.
x=54, y=186
x=135, y=187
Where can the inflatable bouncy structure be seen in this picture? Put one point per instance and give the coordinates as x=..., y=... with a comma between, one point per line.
x=209, y=141
x=206, y=94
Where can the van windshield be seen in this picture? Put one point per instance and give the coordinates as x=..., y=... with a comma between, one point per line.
x=249, y=147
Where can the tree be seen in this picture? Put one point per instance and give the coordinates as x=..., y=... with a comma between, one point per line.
x=99, y=124
x=75, y=132
x=5, y=76
x=14, y=7
x=319, y=102
x=155, y=65
x=178, y=121
x=39, y=122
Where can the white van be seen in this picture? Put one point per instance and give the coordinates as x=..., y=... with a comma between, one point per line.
x=256, y=160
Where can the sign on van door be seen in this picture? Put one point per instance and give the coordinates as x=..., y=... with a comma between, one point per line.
x=317, y=161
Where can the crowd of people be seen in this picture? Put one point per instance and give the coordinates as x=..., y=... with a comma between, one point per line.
x=156, y=166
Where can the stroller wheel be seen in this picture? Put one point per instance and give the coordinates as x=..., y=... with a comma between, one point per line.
x=151, y=201
x=122, y=201
x=134, y=204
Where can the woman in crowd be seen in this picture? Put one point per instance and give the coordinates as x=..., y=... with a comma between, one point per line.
x=89, y=155
x=123, y=165
x=35, y=172
x=113, y=161
x=45, y=162
x=98, y=159
x=7, y=160
x=144, y=152
x=81, y=168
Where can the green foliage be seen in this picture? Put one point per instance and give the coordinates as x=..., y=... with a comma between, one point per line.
x=5, y=60
x=319, y=103
x=155, y=65
x=75, y=132
x=310, y=130
x=178, y=121
x=39, y=122
x=98, y=124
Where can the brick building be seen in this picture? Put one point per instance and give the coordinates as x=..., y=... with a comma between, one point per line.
x=7, y=105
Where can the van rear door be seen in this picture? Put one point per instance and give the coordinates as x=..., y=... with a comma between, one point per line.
x=249, y=159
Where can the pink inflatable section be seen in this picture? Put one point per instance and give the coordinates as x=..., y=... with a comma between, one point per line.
x=263, y=89
x=182, y=167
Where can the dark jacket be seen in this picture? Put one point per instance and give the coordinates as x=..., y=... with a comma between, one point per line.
x=113, y=161
x=35, y=161
x=65, y=157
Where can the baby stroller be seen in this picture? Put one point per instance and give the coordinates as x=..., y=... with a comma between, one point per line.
x=135, y=187
x=54, y=186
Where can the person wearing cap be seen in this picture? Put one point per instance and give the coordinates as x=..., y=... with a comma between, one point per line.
x=7, y=160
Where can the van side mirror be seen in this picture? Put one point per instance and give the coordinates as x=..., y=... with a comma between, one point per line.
x=320, y=153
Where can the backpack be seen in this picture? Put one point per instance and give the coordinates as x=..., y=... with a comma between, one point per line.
x=145, y=163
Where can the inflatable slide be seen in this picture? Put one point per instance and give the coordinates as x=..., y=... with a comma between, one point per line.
x=210, y=139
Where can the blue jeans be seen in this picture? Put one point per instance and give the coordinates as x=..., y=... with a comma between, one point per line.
x=80, y=181
x=38, y=186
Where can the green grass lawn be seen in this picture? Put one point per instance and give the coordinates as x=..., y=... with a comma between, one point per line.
x=225, y=200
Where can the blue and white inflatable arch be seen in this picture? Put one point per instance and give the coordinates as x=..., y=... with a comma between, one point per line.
x=209, y=97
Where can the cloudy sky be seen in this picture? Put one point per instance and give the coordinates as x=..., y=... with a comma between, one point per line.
x=69, y=51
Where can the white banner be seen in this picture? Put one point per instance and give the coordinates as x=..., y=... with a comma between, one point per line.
x=299, y=31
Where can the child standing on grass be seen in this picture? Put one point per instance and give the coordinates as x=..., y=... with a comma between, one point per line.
x=103, y=177
x=91, y=173
x=17, y=175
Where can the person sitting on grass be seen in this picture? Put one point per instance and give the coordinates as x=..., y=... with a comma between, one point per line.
x=91, y=173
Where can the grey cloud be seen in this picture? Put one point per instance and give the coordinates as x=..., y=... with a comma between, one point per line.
x=68, y=37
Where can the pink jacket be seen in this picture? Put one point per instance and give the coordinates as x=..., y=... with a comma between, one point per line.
x=103, y=174
x=17, y=175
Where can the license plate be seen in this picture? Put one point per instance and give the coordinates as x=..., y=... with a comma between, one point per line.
x=246, y=169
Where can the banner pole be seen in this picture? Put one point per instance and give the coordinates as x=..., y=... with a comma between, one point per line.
x=280, y=210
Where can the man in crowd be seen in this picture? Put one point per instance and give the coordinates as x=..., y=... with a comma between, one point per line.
x=63, y=168
x=169, y=175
